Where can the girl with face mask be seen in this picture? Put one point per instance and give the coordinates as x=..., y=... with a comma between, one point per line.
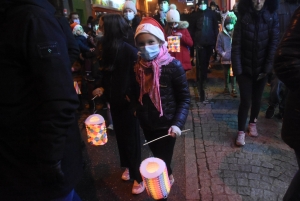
x=175, y=27
x=133, y=20
x=164, y=95
x=223, y=48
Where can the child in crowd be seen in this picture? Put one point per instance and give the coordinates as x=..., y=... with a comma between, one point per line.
x=86, y=45
x=164, y=93
x=223, y=48
x=175, y=27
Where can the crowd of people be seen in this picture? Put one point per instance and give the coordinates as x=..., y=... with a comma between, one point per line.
x=126, y=63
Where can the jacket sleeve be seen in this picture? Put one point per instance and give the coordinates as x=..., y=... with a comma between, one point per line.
x=273, y=42
x=236, y=51
x=83, y=47
x=186, y=39
x=287, y=58
x=182, y=96
x=49, y=63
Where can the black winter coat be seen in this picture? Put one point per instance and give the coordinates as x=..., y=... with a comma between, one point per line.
x=254, y=41
x=131, y=32
x=175, y=100
x=287, y=68
x=82, y=43
x=121, y=80
x=38, y=104
x=205, y=27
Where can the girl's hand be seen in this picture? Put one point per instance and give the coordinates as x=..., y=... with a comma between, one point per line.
x=178, y=34
x=98, y=92
x=174, y=131
x=92, y=49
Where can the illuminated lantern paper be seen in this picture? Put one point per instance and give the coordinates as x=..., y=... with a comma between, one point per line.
x=155, y=177
x=96, y=130
x=174, y=43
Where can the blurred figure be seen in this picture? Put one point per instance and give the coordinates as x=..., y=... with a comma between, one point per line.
x=40, y=139
x=74, y=17
x=254, y=42
x=162, y=13
x=287, y=68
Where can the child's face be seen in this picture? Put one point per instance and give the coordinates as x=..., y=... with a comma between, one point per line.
x=145, y=39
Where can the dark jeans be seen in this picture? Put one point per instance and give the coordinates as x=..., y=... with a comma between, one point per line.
x=126, y=128
x=293, y=192
x=203, y=56
x=251, y=92
x=229, y=78
x=72, y=196
x=278, y=93
x=162, y=148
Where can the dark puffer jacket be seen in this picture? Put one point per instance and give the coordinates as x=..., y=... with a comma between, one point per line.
x=255, y=38
x=287, y=68
x=175, y=99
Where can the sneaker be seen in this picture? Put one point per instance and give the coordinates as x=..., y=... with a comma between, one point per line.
x=252, y=130
x=137, y=188
x=126, y=175
x=172, y=180
x=89, y=78
x=270, y=112
x=233, y=93
x=226, y=91
x=240, y=140
x=110, y=127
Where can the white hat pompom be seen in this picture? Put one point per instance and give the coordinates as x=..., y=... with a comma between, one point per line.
x=173, y=14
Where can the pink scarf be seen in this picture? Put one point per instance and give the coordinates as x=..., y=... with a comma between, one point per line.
x=163, y=58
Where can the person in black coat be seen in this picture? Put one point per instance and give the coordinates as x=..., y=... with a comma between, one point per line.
x=205, y=37
x=287, y=68
x=118, y=86
x=40, y=142
x=162, y=13
x=254, y=42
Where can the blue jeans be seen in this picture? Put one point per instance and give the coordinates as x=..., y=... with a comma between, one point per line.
x=293, y=192
x=72, y=196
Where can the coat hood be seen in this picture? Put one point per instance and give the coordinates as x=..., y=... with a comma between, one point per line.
x=183, y=25
x=270, y=5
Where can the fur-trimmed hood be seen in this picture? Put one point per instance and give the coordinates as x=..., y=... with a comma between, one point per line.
x=270, y=5
x=183, y=25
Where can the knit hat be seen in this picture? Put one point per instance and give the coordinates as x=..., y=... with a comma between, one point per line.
x=151, y=26
x=173, y=14
x=130, y=5
x=160, y=1
x=76, y=28
x=212, y=4
x=230, y=19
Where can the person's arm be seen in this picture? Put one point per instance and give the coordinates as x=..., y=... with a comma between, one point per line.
x=287, y=57
x=236, y=51
x=273, y=42
x=49, y=63
x=219, y=48
x=186, y=38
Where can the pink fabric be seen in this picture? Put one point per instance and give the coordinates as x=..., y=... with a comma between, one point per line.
x=163, y=58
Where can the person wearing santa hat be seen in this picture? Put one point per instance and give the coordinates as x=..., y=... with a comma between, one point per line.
x=133, y=20
x=164, y=93
x=175, y=27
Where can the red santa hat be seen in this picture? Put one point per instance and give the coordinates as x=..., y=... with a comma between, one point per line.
x=151, y=26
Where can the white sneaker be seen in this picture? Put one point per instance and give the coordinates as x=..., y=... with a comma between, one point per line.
x=240, y=140
x=172, y=180
x=252, y=130
x=137, y=188
x=126, y=175
x=110, y=127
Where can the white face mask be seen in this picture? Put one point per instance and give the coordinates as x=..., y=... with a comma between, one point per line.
x=129, y=15
x=175, y=25
x=149, y=52
x=203, y=7
x=77, y=21
x=229, y=27
x=164, y=6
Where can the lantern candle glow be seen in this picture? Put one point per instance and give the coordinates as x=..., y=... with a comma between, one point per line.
x=155, y=177
x=96, y=130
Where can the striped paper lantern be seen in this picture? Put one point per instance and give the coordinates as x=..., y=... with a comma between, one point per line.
x=96, y=130
x=155, y=177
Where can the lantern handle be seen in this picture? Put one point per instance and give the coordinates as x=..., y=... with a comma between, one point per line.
x=163, y=137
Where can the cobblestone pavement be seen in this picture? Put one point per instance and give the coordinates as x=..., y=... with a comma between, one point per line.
x=218, y=170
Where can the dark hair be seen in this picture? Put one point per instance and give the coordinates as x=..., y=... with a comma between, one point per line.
x=168, y=29
x=72, y=13
x=115, y=29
